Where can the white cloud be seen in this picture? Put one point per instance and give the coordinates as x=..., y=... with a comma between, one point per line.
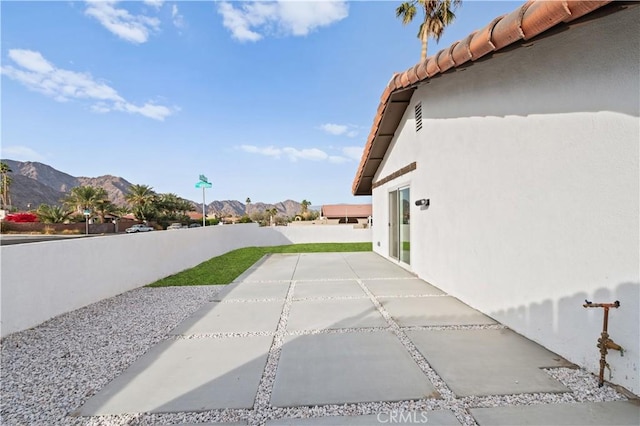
x=269, y=151
x=348, y=130
x=132, y=28
x=21, y=153
x=32, y=61
x=295, y=154
x=178, y=19
x=38, y=74
x=250, y=21
x=237, y=23
x=352, y=152
x=155, y=3
x=336, y=159
x=334, y=129
x=313, y=154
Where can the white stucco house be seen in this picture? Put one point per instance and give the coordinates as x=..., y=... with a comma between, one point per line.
x=505, y=170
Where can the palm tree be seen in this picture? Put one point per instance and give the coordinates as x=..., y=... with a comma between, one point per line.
x=4, y=185
x=52, y=214
x=271, y=212
x=246, y=209
x=141, y=198
x=85, y=198
x=104, y=207
x=437, y=15
x=305, y=206
x=171, y=206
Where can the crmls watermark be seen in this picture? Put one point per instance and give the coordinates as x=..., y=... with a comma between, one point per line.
x=403, y=417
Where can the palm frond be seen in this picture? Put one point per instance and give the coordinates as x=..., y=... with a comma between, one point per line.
x=407, y=11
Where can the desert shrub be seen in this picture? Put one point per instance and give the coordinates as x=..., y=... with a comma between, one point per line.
x=245, y=219
x=70, y=231
x=21, y=217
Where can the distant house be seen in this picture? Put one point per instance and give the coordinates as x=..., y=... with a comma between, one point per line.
x=195, y=216
x=347, y=213
x=504, y=170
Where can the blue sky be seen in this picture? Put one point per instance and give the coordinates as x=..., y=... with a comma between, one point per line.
x=269, y=100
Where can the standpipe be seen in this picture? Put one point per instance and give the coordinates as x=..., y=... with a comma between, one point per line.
x=604, y=343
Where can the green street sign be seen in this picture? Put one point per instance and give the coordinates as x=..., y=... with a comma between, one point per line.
x=203, y=178
x=203, y=185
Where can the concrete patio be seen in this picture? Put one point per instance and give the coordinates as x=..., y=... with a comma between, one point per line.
x=319, y=335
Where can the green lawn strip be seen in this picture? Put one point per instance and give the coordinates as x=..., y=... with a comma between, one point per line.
x=227, y=267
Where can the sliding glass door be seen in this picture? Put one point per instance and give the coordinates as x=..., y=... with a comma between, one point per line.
x=399, y=225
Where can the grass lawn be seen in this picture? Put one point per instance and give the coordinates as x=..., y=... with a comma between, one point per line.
x=224, y=269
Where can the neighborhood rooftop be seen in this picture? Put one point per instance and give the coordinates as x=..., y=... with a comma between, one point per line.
x=526, y=22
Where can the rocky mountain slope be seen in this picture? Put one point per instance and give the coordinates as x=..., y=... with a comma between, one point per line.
x=37, y=183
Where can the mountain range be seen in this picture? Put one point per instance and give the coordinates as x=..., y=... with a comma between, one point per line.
x=35, y=183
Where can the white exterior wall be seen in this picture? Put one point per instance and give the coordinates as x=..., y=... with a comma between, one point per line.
x=324, y=234
x=46, y=279
x=530, y=160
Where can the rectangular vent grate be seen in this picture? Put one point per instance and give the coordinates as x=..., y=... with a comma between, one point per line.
x=418, y=116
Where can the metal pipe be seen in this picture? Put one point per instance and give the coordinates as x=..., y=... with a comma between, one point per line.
x=604, y=343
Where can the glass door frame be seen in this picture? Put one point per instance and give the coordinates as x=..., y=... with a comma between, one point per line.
x=400, y=224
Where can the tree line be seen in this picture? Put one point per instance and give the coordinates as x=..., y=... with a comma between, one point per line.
x=90, y=201
x=143, y=202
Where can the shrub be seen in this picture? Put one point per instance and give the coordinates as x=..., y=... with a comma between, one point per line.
x=21, y=217
x=70, y=231
x=245, y=219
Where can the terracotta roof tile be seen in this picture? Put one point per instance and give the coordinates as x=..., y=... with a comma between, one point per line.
x=413, y=74
x=397, y=84
x=461, y=52
x=543, y=15
x=527, y=21
x=445, y=59
x=481, y=43
x=404, y=78
x=432, y=66
x=342, y=210
x=580, y=8
x=422, y=70
x=508, y=29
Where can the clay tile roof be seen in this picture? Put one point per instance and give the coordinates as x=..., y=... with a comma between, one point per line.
x=509, y=29
x=332, y=211
x=432, y=65
x=421, y=71
x=445, y=59
x=413, y=74
x=462, y=52
x=529, y=20
x=543, y=15
x=480, y=43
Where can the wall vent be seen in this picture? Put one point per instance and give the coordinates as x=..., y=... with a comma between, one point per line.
x=418, y=116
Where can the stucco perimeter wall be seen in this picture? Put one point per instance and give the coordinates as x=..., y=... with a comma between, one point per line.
x=324, y=234
x=530, y=161
x=42, y=280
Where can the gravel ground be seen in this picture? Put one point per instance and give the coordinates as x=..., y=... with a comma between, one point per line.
x=51, y=370
x=48, y=372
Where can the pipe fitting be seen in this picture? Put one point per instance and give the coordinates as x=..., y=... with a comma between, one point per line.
x=610, y=344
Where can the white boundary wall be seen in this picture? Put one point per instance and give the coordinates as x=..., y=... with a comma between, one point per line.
x=42, y=280
x=530, y=160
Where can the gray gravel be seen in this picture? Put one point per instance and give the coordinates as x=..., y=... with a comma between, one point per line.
x=48, y=372
x=51, y=370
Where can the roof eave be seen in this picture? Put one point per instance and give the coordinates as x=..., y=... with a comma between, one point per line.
x=531, y=19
